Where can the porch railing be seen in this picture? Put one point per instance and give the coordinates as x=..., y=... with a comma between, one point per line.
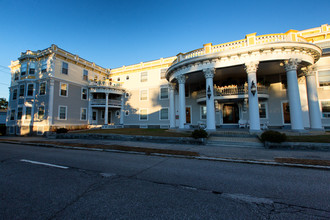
x=232, y=90
x=102, y=102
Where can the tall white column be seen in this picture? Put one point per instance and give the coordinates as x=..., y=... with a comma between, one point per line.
x=313, y=100
x=182, y=101
x=210, y=111
x=172, y=108
x=51, y=102
x=293, y=93
x=89, y=112
x=121, y=121
x=106, y=108
x=251, y=70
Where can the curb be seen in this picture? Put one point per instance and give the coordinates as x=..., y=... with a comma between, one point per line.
x=231, y=160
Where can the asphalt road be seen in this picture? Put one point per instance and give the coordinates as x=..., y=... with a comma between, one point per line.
x=103, y=185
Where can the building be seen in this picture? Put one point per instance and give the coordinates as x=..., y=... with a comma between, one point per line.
x=274, y=81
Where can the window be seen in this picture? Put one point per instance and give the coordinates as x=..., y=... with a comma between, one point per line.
x=126, y=95
x=163, y=93
x=32, y=68
x=65, y=68
x=162, y=73
x=19, y=113
x=23, y=69
x=83, y=93
x=14, y=94
x=85, y=75
x=21, y=90
x=28, y=112
x=143, y=114
x=203, y=112
x=43, y=66
x=325, y=108
x=118, y=79
x=126, y=113
x=12, y=114
x=324, y=78
x=64, y=89
x=95, y=78
x=30, y=90
x=16, y=77
x=42, y=88
x=127, y=77
x=41, y=112
x=163, y=114
x=144, y=95
x=117, y=113
x=83, y=114
x=62, y=110
x=262, y=110
x=144, y=76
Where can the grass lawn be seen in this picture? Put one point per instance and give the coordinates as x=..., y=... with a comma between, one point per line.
x=310, y=138
x=138, y=131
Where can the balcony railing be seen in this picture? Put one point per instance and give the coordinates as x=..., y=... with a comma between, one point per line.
x=106, y=83
x=102, y=102
x=232, y=90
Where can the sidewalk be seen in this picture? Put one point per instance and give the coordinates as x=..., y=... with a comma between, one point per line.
x=238, y=153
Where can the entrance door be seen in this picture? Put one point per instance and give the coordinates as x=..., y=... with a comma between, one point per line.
x=230, y=113
x=188, y=115
x=286, y=113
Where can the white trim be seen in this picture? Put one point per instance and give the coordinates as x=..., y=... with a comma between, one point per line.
x=160, y=92
x=282, y=113
x=66, y=112
x=168, y=114
x=81, y=114
x=67, y=89
x=81, y=95
x=27, y=89
x=45, y=87
x=146, y=114
x=147, y=94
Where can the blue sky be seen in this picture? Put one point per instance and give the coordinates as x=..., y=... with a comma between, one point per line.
x=114, y=33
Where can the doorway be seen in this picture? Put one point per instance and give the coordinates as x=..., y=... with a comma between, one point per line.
x=286, y=113
x=188, y=115
x=230, y=113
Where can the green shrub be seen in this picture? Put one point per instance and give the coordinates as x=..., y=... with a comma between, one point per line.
x=199, y=133
x=61, y=131
x=273, y=136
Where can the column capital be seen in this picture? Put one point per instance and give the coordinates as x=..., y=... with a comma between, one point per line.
x=208, y=73
x=251, y=67
x=309, y=70
x=181, y=79
x=171, y=86
x=291, y=64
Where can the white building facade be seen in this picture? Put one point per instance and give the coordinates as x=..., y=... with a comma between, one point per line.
x=268, y=81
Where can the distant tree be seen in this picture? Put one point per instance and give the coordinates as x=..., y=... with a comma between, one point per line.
x=3, y=103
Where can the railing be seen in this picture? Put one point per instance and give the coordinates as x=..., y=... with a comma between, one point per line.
x=106, y=83
x=228, y=46
x=102, y=102
x=232, y=90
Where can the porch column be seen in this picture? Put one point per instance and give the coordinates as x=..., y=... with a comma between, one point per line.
x=251, y=70
x=293, y=94
x=121, y=121
x=313, y=100
x=106, y=108
x=89, y=112
x=51, y=102
x=210, y=111
x=172, y=108
x=182, y=101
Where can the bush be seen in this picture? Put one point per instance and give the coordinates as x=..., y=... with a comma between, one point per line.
x=61, y=131
x=199, y=133
x=273, y=136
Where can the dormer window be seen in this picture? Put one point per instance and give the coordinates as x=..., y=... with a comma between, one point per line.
x=23, y=69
